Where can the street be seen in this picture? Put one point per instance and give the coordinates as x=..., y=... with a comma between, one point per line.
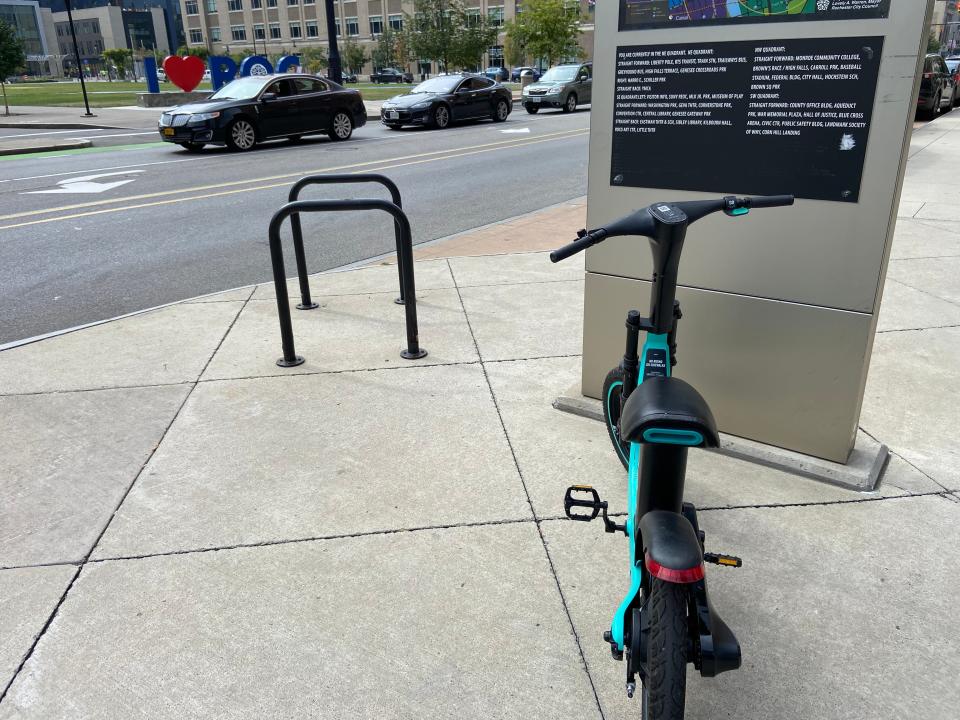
x=95, y=233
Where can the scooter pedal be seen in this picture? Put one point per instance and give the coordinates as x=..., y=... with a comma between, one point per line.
x=725, y=560
x=591, y=503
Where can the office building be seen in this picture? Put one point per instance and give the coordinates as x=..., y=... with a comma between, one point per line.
x=34, y=26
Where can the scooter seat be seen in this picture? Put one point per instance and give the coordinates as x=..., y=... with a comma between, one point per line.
x=670, y=411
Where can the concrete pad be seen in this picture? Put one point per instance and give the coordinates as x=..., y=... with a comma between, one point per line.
x=515, y=269
x=238, y=295
x=555, y=449
x=66, y=462
x=908, y=208
x=925, y=238
x=315, y=456
x=939, y=277
x=526, y=321
x=456, y=623
x=938, y=211
x=27, y=597
x=912, y=396
x=831, y=604
x=170, y=345
x=347, y=332
x=907, y=308
x=384, y=278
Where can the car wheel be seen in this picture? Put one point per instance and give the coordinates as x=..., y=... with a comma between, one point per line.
x=441, y=117
x=192, y=147
x=341, y=126
x=571, y=104
x=241, y=135
x=532, y=109
x=501, y=112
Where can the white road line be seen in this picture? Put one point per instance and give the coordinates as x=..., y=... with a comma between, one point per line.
x=93, y=170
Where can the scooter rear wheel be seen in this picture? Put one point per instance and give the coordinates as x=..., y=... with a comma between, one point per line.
x=612, y=388
x=664, y=691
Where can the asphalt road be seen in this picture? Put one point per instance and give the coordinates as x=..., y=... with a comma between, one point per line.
x=160, y=224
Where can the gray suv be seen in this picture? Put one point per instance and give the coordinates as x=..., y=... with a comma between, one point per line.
x=563, y=86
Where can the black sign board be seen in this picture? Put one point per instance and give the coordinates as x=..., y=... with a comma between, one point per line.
x=643, y=14
x=760, y=117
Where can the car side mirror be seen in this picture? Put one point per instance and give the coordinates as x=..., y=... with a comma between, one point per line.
x=267, y=97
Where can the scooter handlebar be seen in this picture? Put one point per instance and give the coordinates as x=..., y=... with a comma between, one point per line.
x=769, y=201
x=586, y=239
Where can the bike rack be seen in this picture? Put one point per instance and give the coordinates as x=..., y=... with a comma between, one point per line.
x=290, y=358
x=305, y=302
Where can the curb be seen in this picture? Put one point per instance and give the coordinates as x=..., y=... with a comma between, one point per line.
x=57, y=145
x=59, y=126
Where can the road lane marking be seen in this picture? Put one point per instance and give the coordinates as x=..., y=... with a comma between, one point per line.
x=114, y=167
x=270, y=178
x=87, y=184
x=383, y=166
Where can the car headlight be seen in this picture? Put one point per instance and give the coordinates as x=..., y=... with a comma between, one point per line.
x=421, y=105
x=200, y=117
x=555, y=89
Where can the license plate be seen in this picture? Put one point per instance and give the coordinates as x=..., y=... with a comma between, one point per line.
x=392, y=115
x=534, y=99
x=169, y=132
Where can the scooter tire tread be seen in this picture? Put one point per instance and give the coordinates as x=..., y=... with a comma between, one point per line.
x=667, y=652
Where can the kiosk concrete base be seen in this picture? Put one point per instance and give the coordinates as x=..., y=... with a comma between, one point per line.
x=862, y=471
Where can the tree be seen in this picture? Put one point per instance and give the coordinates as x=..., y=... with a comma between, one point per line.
x=354, y=57
x=933, y=44
x=12, y=58
x=201, y=52
x=387, y=51
x=547, y=29
x=445, y=31
x=118, y=57
x=314, y=59
x=515, y=45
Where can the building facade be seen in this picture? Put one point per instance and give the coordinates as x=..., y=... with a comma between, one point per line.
x=286, y=26
x=33, y=25
x=104, y=28
x=171, y=10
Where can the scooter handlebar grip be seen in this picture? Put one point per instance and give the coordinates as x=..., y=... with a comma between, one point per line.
x=591, y=238
x=769, y=201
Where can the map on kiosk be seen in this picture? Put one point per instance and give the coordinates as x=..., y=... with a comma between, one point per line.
x=645, y=14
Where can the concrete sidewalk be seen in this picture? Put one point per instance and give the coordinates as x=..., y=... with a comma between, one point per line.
x=190, y=531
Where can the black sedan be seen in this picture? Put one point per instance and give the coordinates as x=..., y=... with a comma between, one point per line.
x=252, y=109
x=391, y=75
x=441, y=100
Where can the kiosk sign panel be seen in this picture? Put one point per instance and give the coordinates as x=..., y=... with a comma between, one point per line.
x=770, y=117
x=646, y=14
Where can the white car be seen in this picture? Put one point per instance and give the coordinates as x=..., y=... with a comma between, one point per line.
x=161, y=75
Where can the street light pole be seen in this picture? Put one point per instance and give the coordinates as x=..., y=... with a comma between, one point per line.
x=335, y=69
x=76, y=54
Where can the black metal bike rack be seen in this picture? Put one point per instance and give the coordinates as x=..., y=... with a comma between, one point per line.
x=305, y=302
x=290, y=358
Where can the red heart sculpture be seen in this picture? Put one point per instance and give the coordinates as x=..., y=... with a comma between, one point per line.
x=184, y=72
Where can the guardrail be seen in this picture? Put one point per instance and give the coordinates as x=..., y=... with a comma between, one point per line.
x=413, y=351
x=305, y=302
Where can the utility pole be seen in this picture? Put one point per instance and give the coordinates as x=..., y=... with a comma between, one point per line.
x=76, y=54
x=335, y=71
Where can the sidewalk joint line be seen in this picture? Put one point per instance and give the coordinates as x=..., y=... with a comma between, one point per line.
x=925, y=292
x=96, y=389
x=918, y=329
x=533, y=511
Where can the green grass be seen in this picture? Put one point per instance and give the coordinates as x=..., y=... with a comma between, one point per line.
x=116, y=94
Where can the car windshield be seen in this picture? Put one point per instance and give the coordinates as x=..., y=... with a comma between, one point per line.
x=952, y=63
x=241, y=89
x=438, y=85
x=560, y=74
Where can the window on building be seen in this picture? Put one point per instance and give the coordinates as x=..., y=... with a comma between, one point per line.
x=295, y=30
x=495, y=15
x=211, y=6
x=353, y=26
x=196, y=36
x=473, y=17
x=238, y=32
x=256, y=4
x=309, y=2
x=271, y=3
x=293, y=2
x=274, y=31
x=312, y=29
x=496, y=56
x=376, y=24
x=259, y=33
x=234, y=5
x=191, y=7
x=396, y=22
x=215, y=34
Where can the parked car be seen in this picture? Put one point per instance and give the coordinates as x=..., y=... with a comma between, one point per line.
x=252, y=109
x=500, y=74
x=518, y=71
x=161, y=74
x=938, y=88
x=448, y=98
x=953, y=65
x=349, y=77
x=563, y=86
x=391, y=75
